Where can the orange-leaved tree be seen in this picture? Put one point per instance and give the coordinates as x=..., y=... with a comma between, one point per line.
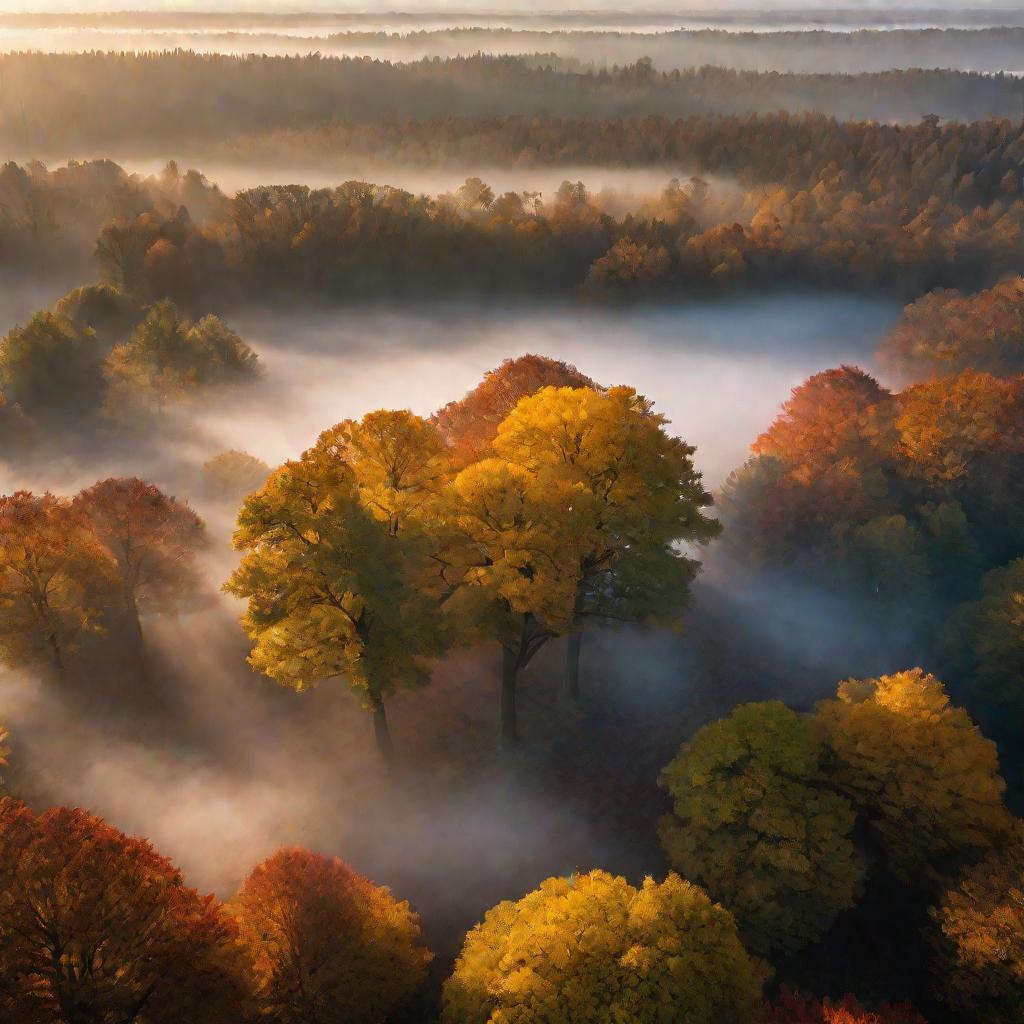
x=469, y=425
x=154, y=540
x=97, y=926
x=55, y=579
x=327, y=944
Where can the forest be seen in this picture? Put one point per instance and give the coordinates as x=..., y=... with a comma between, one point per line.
x=588, y=587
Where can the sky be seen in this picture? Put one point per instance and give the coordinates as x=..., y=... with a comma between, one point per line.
x=490, y=5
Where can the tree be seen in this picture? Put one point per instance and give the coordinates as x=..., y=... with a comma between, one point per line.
x=328, y=945
x=639, y=498
x=51, y=368
x=513, y=536
x=945, y=332
x=919, y=771
x=469, y=425
x=232, y=475
x=332, y=590
x=754, y=822
x=797, y=1008
x=96, y=926
x=980, y=939
x=986, y=644
x=168, y=359
x=154, y=540
x=4, y=752
x=55, y=578
x=107, y=312
x=592, y=947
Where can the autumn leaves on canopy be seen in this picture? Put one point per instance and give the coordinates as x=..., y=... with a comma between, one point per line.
x=513, y=518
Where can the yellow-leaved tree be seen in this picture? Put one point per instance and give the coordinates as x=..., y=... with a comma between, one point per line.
x=595, y=948
x=754, y=821
x=918, y=769
x=636, y=497
x=338, y=574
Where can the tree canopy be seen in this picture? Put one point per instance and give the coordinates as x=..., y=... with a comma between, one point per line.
x=980, y=938
x=56, y=577
x=154, y=540
x=97, y=926
x=594, y=947
x=327, y=944
x=755, y=822
x=919, y=771
x=331, y=592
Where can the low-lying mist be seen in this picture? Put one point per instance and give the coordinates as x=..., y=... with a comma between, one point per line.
x=220, y=767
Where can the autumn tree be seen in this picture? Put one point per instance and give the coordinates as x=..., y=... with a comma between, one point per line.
x=55, y=579
x=797, y=1008
x=979, y=939
x=755, y=823
x=96, y=926
x=51, y=368
x=945, y=332
x=232, y=475
x=102, y=309
x=328, y=945
x=987, y=641
x=592, y=947
x=339, y=579
x=918, y=770
x=513, y=547
x=637, y=498
x=167, y=359
x=469, y=425
x=154, y=540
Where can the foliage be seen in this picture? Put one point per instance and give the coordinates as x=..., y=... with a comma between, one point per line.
x=101, y=308
x=232, y=475
x=980, y=966
x=592, y=947
x=51, y=368
x=331, y=592
x=96, y=926
x=945, y=332
x=154, y=540
x=798, y=1008
x=893, y=498
x=328, y=945
x=168, y=359
x=55, y=576
x=754, y=821
x=469, y=425
x=988, y=638
x=918, y=770
x=636, y=493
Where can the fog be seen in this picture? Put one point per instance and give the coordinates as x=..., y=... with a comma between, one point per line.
x=219, y=767
x=718, y=370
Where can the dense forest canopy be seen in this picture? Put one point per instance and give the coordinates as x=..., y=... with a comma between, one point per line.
x=138, y=103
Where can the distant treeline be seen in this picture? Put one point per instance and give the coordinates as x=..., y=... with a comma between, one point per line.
x=815, y=51
x=61, y=104
x=844, y=205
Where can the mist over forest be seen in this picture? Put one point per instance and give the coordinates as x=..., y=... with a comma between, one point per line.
x=512, y=516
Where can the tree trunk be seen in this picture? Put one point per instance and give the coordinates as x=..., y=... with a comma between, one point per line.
x=381, y=732
x=57, y=656
x=509, y=679
x=572, y=664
